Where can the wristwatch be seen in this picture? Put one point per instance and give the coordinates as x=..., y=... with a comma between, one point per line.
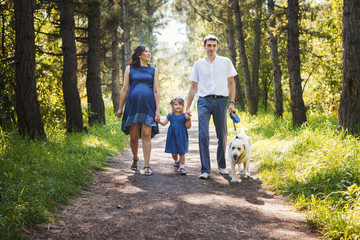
x=232, y=102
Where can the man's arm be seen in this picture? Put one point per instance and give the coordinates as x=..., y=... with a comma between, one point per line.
x=192, y=92
x=231, y=86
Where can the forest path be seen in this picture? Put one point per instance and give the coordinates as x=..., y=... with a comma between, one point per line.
x=121, y=204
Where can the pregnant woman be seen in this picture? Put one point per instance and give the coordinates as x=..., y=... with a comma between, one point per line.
x=141, y=114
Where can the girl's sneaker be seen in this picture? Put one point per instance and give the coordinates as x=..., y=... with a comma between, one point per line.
x=176, y=165
x=182, y=171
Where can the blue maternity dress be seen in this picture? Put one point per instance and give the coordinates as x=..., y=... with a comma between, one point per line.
x=177, y=140
x=140, y=103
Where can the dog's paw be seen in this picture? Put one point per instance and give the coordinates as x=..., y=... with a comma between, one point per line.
x=234, y=180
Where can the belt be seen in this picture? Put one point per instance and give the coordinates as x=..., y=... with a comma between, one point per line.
x=215, y=96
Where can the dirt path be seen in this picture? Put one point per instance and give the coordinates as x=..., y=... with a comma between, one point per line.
x=124, y=205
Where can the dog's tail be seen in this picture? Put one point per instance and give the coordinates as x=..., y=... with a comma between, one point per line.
x=243, y=131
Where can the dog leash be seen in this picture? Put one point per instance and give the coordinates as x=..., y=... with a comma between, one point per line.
x=235, y=119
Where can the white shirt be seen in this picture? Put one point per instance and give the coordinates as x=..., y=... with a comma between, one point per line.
x=212, y=77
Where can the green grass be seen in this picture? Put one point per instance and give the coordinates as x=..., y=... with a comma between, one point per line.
x=37, y=177
x=316, y=166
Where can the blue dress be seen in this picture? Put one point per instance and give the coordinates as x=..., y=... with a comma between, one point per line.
x=177, y=140
x=140, y=103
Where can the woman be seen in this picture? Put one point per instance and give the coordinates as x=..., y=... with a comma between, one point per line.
x=141, y=114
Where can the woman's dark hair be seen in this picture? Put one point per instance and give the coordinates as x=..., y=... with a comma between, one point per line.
x=135, y=61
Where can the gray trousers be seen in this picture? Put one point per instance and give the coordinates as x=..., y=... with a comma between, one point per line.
x=217, y=107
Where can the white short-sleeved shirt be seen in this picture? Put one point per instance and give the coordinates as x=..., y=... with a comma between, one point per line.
x=212, y=77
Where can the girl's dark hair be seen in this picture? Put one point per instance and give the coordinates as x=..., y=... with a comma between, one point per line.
x=135, y=60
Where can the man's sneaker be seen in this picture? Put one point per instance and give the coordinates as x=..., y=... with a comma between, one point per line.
x=204, y=176
x=182, y=171
x=224, y=171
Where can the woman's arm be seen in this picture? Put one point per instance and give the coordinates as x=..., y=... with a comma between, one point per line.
x=156, y=95
x=124, y=91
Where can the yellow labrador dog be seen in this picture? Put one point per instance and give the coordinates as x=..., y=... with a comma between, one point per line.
x=239, y=152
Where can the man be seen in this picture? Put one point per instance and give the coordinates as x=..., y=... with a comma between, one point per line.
x=213, y=81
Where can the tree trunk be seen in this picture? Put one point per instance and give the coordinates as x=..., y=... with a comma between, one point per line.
x=349, y=112
x=115, y=84
x=27, y=106
x=256, y=55
x=249, y=95
x=126, y=34
x=93, y=81
x=297, y=102
x=278, y=94
x=74, y=120
x=239, y=99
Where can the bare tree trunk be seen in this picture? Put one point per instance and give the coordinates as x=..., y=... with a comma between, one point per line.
x=297, y=102
x=126, y=34
x=74, y=120
x=239, y=98
x=249, y=95
x=278, y=94
x=256, y=55
x=115, y=83
x=349, y=112
x=93, y=81
x=27, y=106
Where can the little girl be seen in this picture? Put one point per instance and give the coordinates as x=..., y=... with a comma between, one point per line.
x=177, y=141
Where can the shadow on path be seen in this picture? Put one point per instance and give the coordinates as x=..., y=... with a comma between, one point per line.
x=122, y=204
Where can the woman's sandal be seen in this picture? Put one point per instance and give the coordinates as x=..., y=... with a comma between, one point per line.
x=134, y=166
x=176, y=165
x=148, y=171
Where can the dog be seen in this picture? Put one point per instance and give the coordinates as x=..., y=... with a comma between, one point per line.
x=239, y=152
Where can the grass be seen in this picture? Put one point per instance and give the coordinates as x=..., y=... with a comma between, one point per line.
x=37, y=177
x=316, y=166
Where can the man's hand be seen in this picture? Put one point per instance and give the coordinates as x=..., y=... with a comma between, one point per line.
x=231, y=108
x=187, y=115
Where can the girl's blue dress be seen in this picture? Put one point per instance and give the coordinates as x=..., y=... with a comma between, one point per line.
x=177, y=141
x=140, y=103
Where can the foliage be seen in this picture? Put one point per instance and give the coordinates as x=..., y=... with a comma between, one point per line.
x=37, y=177
x=315, y=165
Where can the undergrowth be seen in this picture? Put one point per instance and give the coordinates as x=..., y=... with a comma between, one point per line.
x=316, y=166
x=37, y=177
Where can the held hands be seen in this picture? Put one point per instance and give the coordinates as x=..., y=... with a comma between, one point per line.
x=157, y=116
x=188, y=115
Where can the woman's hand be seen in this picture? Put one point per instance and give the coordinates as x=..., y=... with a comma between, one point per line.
x=119, y=113
x=157, y=116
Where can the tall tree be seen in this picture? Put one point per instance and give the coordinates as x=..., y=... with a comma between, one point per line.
x=93, y=81
x=278, y=95
x=232, y=53
x=296, y=94
x=27, y=107
x=349, y=112
x=74, y=120
x=126, y=48
x=250, y=95
x=115, y=72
